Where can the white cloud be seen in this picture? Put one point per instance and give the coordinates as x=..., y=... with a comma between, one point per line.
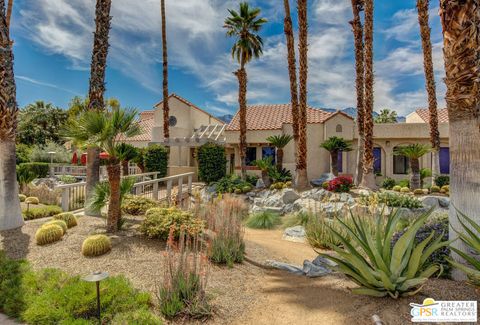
x=45, y=84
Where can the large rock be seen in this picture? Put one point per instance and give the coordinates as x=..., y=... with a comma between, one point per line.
x=260, y=184
x=305, y=204
x=312, y=270
x=295, y=234
x=405, y=213
x=444, y=202
x=325, y=262
x=284, y=266
x=323, y=178
x=289, y=196
x=430, y=201
x=274, y=200
x=332, y=209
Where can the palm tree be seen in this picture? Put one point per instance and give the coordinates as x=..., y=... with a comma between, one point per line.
x=97, y=89
x=9, y=13
x=386, y=116
x=279, y=142
x=423, y=6
x=461, y=53
x=357, y=7
x=368, y=177
x=126, y=153
x=334, y=145
x=244, y=26
x=301, y=178
x=166, y=108
x=10, y=212
x=264, y=165
x=413, y=152
x=292, y=71
x=103, y=130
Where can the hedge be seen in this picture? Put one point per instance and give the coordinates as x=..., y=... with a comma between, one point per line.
x=156, y=160
x=211, y=162
x=40, y=169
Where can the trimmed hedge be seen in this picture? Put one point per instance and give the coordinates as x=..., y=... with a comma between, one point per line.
x=211, y=162
x=156, y=160
x=41, y=212
x=37, y=168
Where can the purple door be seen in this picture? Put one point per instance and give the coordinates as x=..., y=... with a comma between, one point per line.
x=444, y=160
x=377, y=160
x=340, y=162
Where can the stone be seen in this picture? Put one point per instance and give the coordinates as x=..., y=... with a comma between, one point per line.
x=273, y=201
x=444, y=202
x=323, y=178
x=430, y=201
x=260, y=184
x=332, y=209
x=312, y=270
x=289, y=196
x=364, y=192
x=345, y=197
x=405, y=213
x=277, y=210
x=297, y=232
x=285, y=266
x=288, y=208
x=305, y=204
x=322, y=261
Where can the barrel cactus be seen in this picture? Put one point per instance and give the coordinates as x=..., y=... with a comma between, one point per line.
x=68, y=217
x=418, y=191
x=60, y=223
x=48, y=234
x=397, y=188
x=405, y=190
x=32, y=200
x=22, y=197
x=96, y=245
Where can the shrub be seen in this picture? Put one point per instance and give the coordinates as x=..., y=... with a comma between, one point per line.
x=137, y=317
x=340, y=184
x=388, y=183
x=318, y=234
x=297, y=219
x=23, y=152
x=405, y=190
x=399, y=200
x=24, y=177
x=442, y=180
x=159, y=221
x=156, y=160
x=137, y=205
x=252, y=179
x=62, y=224
x=67, y=179
x=419, y=191
x=41, y=212
x=231, y=183
x=96, y=245
x=435, y=189
x=22, y=197
x=12, y=299
x=445, y=188
x=397, y=188
x=48, y=234
x=68, y=217
x=263, y=220
x=404, y=183
x=39, y=169
x=325, y=185
x=44, y=194
x=32, y=200
x=40, y=153
x=279, y=175
x=380, y=269
x=212, y=163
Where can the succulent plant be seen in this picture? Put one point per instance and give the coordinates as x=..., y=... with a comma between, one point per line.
x=32, y=200
x=405, y=190
x=22, y=197
x=48, y=234
x=418, y=191
x=397, y=188
x=435, y=189
x=60, y=223
x=446, y=188
x=68, y=217
x=96, y=245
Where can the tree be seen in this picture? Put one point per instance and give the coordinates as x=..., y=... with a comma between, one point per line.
x=386, y=116
x=96, y=90
x=126, y=152
x=265, y=165
x=244, y=26
x=413, y=152
x=166, y=108
x=301, y=178
x=334, y=145
x=10, y=213
x=279, y=142
x=357, y=7
x=9, y=13
x=368, y=177
x=103, y=130
x=422, y=7
x=39, y=123
x=78, y=105
x=461, y=41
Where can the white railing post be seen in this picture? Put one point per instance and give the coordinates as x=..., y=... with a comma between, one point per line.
x=138, y=190
x=169, y=191
x=190, y=180
x=155, y=191
x=179, y=191
x=66, y=199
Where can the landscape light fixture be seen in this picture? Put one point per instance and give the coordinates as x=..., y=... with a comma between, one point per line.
x=96, y=277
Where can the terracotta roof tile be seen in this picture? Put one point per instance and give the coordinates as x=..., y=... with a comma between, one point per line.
x=146, y=126
x=425, y=115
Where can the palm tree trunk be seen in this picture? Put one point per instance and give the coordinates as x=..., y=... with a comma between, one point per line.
x=423, y=6
x=292, y=70
x=114, y=212
x=9, y=13
x=301, y=181
x=334, y=162
x=357, y=7
x=368, y=178
x=125, y=167
x=415, y=177
x=265, y=178
x=166, y=108
x=279, y=158
x=10, y=212
x=242, y=101
x=461, y=29
x=97, y=89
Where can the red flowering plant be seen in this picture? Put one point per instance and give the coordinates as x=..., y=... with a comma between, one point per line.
x=340, y=184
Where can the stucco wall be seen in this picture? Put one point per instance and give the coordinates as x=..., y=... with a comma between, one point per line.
x=413, y=118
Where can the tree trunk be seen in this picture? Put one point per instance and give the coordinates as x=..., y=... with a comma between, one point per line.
x=368, y=178
x=242, y=101
x=166, y=105
x=10, y=212
x=301, y=181
x=422, y=7
x=279, y=158
x=266, y=178
x=114, y=212
x=9, y=13
x=461, y=29
x=334, y=163
x=415, y=177
x=93, y=177
x=125, y=168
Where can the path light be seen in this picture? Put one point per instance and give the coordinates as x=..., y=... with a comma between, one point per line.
x=96, y=277
x=52, y=172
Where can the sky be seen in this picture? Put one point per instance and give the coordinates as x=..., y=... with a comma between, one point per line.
x=54, y=39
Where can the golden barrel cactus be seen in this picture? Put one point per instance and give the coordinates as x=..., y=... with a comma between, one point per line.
x=60, y=223
x=32, y=200
x=68, y=217
x=48, y=234
x=96, y=245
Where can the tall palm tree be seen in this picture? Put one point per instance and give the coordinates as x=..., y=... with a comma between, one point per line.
x=386, y=116
x=10, y=213
x=301, y=178
x=357, y=8
x=461, y=52
x=126, y=153
x=334, y=145
x=97, y=88
x=279, y=142
x=292, y=71
x=103, y=130
x=9, y=13
x=244, y=26
x=413, y=152
x=368, y=178
x=422, y=7
x=166, y=107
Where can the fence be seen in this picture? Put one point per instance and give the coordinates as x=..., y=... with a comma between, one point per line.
x=81, y=171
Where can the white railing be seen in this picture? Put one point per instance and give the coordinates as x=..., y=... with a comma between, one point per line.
x=81, y=171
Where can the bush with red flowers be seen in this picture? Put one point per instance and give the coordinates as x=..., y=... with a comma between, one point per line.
x=340, y=184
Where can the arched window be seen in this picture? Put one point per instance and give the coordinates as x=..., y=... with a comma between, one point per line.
x=338, y=128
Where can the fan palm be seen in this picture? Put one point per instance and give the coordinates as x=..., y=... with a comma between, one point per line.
x=279, y=142
x=103, y=130
x=126, y=152
x=166, y=108
x=413, y=152
x=264, y=165
x=244, y=26
x=334, y=145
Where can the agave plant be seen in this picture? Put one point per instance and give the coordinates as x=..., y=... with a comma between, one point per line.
x=472, y=240
x=377, y=267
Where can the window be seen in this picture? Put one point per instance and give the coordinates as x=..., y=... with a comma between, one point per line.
x=172, y=121
x=340, y=162
x=400, y=164
x=377, y=160
x=444, y=160
x=339, y=128
x=251, y=155
x=268, y=152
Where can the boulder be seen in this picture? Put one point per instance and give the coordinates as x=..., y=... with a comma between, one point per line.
x=295, y=234
x=322, y=261
x=305, y=204
x=332, y=209
x=285, y=266
x=430, y=201
x=274, y=200
x=312, y=270
x=405, y=213
x=289, y=196
x=260, y=184
x=277, y=210
x=444, y=202
x=323, y=178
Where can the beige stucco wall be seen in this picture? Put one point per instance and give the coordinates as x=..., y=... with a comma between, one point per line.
x=413, y=118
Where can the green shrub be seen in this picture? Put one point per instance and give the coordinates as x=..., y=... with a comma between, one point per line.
x=318, y=233
x=380, y=269
x=32, y=200
x=252, y=179
x=263, y=220
x=67, y=179
x=297, y=219
x=48, y=234
x=39, y=169
x=22, y=197
x=442, y=180
x=325, y=185
x=158, y=221
x=24, y=177
x=435, y=189
x=445, y=188
x=212, y=163
x=231, y=183
x=405, y=190
x=388, y=183
x=397, y=188
x=404, y=183
x=62, y=224
x=96, y=245
x=41, y=212
x=279, y=175
x=398, y=200
x=12, y=299
x=68, y=217
x=23, y=152
x=156, y=160
x=137, y=205
x=40, y=153
x=137, y=317
x=418, y=191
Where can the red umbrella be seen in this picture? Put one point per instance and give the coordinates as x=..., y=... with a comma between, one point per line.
x=104, y=155
x=75, y=158
x=83, y=159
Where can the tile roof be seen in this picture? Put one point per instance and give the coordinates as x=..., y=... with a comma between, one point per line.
x=272, y=117
x=146, y=126
x=146, y=114
x=425, y=115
